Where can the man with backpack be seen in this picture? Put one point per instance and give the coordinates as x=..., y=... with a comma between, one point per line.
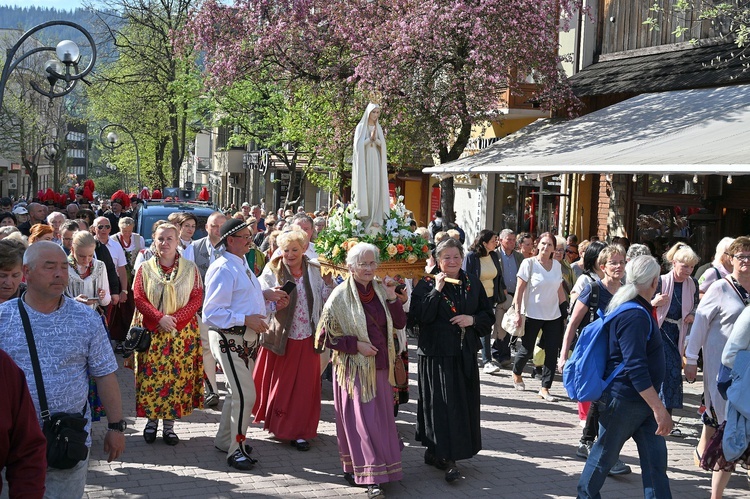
x=630, y=405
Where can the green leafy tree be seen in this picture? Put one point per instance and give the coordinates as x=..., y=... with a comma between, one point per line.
x=292, y=122
x=148, y=86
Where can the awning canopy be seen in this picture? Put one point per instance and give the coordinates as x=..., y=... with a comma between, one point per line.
x=704, y=131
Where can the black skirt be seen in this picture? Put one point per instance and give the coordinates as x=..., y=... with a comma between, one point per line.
x=448, y=407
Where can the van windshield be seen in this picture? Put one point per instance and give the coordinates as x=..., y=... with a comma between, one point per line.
x=149, y=221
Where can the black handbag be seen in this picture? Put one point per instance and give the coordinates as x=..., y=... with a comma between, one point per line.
x=138, y=338
x=65, y=432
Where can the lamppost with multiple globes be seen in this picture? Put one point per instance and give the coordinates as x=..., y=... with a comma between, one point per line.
x=63, y=69
x=52, y=153
x=112, y=141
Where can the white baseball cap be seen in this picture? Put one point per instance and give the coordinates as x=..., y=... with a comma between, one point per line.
x=20, y=210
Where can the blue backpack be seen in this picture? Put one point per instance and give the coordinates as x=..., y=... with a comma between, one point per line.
x=583, y=375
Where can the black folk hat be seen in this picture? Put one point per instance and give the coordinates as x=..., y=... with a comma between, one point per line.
x=230, y=228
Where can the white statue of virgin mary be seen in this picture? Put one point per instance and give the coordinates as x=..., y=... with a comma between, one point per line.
x=370, y=170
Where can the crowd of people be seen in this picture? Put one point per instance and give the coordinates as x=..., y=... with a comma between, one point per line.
x=251, y=299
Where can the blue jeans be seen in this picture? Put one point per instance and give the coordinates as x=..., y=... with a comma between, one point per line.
x=620, y=420
x=486, y=349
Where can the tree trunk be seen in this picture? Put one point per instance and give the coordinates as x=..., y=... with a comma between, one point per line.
x=447, y=192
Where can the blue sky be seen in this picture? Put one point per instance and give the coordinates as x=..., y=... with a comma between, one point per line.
x=58, y=4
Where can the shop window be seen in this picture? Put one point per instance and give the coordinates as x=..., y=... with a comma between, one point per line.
x=661, y=226
x=671, y=184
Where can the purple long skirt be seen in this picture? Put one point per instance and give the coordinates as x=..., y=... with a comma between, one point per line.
x=369, y=445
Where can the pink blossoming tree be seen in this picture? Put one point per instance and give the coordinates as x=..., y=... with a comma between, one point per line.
x=438, y=67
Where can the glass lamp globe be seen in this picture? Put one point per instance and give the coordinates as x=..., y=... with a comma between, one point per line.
x=112, y=138
x=68, y=52
x=53, y=65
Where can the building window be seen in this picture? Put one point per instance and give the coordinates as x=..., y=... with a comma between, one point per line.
x=671, y=184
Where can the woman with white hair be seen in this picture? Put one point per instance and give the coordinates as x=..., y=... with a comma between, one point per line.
x=358, y=323
x=55, y=220
x=122, y=315
x=287, y=371
x=631, y=406
x=720, y=267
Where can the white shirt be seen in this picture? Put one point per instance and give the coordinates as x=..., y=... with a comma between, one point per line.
x=188, y=253
x=117, y=253
x=231, y=292
x=136, y=241
x=541, y=300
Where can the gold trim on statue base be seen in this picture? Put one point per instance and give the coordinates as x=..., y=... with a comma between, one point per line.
x=388, y=268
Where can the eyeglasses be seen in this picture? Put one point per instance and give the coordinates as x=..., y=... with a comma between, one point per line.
x=742, y=258
x=366, y=265
x=571, y=252
x=100, y=227
x=249, y=236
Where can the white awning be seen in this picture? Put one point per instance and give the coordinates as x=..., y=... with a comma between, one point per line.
x=704, y=131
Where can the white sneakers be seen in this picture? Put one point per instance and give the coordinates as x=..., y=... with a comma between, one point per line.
x=490, y=368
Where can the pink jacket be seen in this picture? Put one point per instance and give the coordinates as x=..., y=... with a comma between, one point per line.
x=688, y=305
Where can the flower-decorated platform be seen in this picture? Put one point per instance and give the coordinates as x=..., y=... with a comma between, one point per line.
x=402, y=252
x=388, y=268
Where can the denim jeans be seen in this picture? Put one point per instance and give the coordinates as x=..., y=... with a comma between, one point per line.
x=620, y=420
x=486, y=349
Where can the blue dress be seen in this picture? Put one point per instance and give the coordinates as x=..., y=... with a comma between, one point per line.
x=671, y=389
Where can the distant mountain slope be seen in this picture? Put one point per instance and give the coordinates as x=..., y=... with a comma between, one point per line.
x=25, y=18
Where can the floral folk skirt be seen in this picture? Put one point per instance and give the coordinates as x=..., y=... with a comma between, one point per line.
x=169, y=376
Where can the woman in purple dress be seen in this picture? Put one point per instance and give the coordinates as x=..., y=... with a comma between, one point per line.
x=358, y=322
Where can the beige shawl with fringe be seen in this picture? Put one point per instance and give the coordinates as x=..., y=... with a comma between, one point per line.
x=176, y=292
x=343, y=315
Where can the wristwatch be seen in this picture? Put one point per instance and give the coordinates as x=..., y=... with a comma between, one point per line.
x=119, y=426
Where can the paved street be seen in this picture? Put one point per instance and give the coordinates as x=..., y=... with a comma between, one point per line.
x=529, y=452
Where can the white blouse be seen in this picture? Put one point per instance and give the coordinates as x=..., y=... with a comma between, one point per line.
x=91, y=285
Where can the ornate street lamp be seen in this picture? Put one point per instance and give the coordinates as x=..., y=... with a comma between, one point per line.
x=52, y=153
x=62, y=69
x=112, y=141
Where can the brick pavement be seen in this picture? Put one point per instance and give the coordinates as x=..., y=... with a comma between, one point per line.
x=529, y=452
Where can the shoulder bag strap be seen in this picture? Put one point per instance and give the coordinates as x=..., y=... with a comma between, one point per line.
x=34, y=362
x=739, y=295
x=593, y=301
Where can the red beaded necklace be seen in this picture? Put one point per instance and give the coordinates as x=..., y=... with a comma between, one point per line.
x=367, y=296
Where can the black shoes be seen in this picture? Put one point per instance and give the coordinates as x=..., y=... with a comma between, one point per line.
x=452, y=474
x=169, y=437
x=301, y=445
x=431, y=460
x=212, y=400
x=349, y=477
x=149, y=432
x=240, y=462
